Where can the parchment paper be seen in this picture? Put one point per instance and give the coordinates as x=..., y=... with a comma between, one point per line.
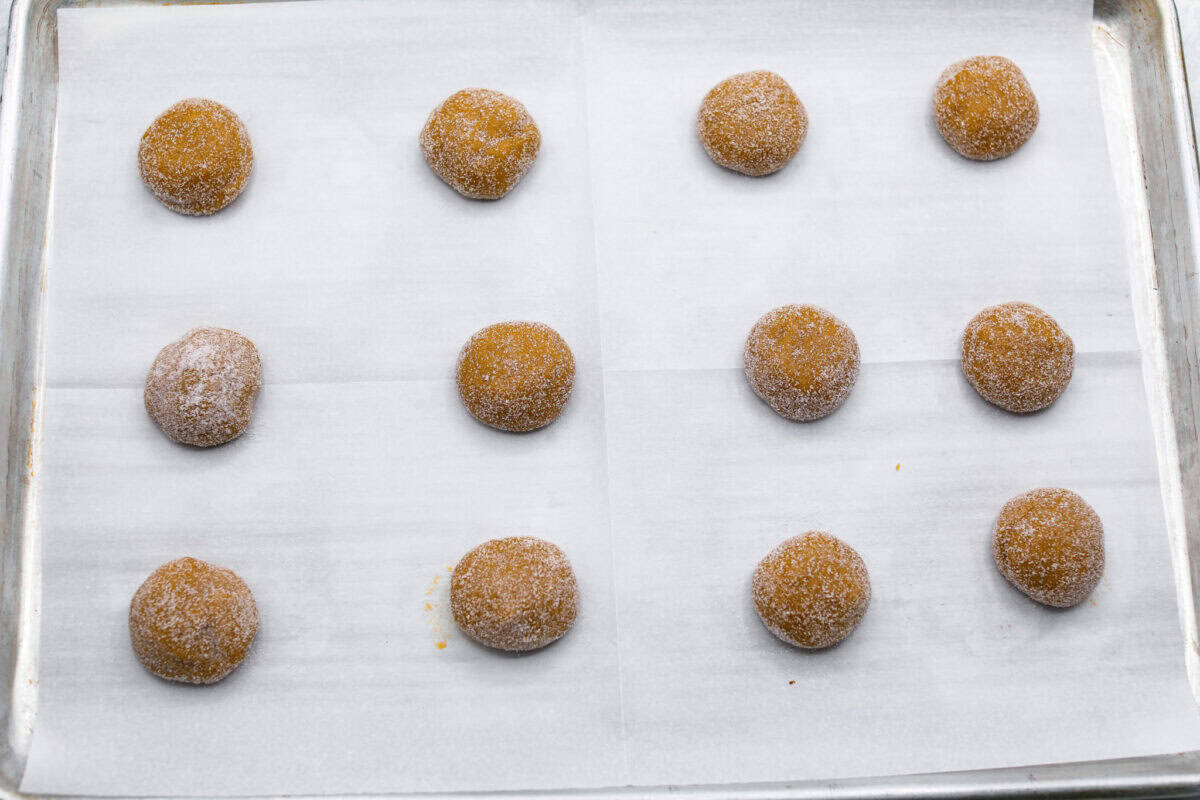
x=362, y=480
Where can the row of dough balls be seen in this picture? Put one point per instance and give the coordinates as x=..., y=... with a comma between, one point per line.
x=196, y=157
x=803, y=361
x=518, y=376
x=201, y=388
x=194, y=622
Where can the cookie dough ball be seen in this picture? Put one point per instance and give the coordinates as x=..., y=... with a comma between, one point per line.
x=802, y=361
x=1017, y=357
x=515, y=376
x=514, y=594
x=192, y=621
x=984, y=107
x=752, y=123
x=812, y=590
x=480, y=142
x=196, y=157
x=1049, y=543
x=201, y=388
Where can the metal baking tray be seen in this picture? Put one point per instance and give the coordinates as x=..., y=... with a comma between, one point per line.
x=1143, y=87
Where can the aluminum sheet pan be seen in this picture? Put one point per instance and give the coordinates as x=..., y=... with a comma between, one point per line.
x=1154, y=163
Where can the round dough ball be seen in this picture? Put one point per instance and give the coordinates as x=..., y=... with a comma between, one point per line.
x=1049, y=543
x=802, y=361
x=752, y=123
x=1017, y=357
x=191, y=621
x=812, y=590
x=517, y=593
x=202, y=387
x=515, y=376
x=196, y=157
x=984, y=108
x=480, y=142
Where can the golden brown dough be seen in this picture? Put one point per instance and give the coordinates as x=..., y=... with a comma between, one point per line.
x=517, y=593
x=812, y=590
x=1049, y=543
x=984, y=107
x=515, y=376
x=1017, y=357
x=752, y=123
x=191, y=621
x=481, y=142
x=802, y=361
x=196, y=157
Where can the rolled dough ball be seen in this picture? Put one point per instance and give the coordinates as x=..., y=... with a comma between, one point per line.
x=191, y=621
x=1049, y=543
x=201, y=388
x=196, y=157
x=812, y=590
x=517, y=593
x=515, y=376
x=1017, y=357
x=480, y=142
x=752, y=123
x=984, y=107
x=802, y=361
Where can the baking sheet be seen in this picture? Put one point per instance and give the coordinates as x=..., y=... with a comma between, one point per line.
x=359, y=275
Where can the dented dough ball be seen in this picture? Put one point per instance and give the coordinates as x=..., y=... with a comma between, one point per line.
x=191, y=621
x=481, y=142
x=984, y=107
x=752, y=123
x=196, y=157
x=201, y=388
x=517, y=593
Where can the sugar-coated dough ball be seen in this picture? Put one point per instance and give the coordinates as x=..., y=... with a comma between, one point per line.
x=191, y=621
x=480, y=142
x=202, y=387
x=515, y=376
x=517, y=593
x=812, y=590
x=984, y=107
x=1049, y=543
x=196, y=157
x=802, y=361
x=752, y=123
x=1017, y=357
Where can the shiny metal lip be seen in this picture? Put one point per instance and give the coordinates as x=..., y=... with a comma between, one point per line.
x=1148, y=121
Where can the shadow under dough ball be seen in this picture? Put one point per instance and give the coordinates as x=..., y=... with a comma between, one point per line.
x=812, y=590
x=1017, y=357
x=1049, y=543
x=515, y=376
x=802, y=361
x=984, y=107
x=481, y=142
x=192, y=622
x=196, y=157
x=514, y=594
x=752, y=123
x=201, y=388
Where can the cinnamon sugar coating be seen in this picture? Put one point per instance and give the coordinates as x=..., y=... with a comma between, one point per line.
x=481, y=142
x=752, y=123
x=191, y=621
x=514, y=594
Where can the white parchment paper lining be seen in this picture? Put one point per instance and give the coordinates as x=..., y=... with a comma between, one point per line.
x=362, y=480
